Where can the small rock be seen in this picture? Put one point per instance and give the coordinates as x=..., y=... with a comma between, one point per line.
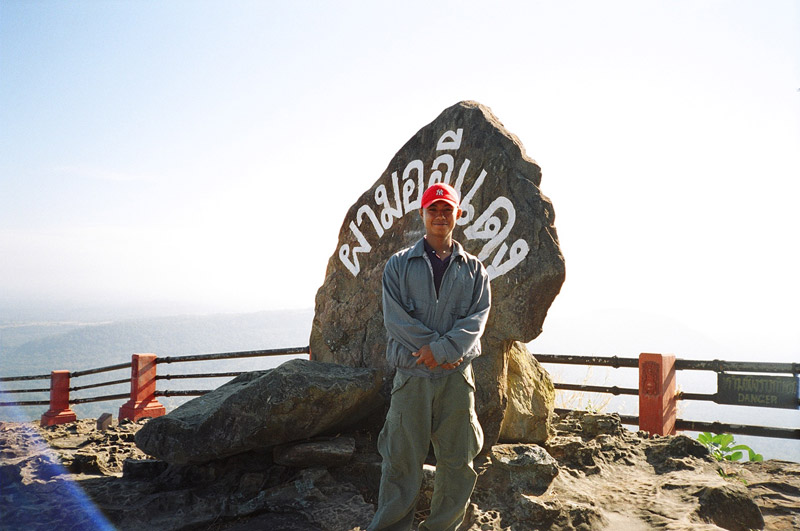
x=582, y=516
x=426, y=491
x=594, y=424
x=251, y=483
x=519, y=469
x=86, y=464
x=536, y=511
x=9, y=474
x=104, y=422
x=729, y=508
x=675, y=453
x=573, y=451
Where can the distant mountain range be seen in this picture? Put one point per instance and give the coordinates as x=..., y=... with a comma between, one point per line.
x=28, y=348
x=36, y=348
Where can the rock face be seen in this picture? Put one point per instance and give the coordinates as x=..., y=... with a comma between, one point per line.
x=592, y=474
x=508, y=224
x=326, y=453
x=294, y=401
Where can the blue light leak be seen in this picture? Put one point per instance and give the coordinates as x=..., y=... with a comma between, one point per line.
x=56, y=503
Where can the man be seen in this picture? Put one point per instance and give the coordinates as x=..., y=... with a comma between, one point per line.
x=436, y=300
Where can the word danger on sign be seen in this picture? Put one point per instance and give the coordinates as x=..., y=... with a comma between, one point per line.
x=404, y=195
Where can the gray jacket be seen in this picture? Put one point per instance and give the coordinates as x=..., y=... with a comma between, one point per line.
x=452, y=324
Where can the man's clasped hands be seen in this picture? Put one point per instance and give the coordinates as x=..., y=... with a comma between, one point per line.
x=425, y=356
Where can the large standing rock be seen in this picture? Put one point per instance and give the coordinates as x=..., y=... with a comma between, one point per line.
x=508, y=224
x=531, y=398
x=294, y=401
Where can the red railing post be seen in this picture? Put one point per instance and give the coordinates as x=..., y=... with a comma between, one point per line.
x=657, y=399
x=143, y=401
x=59, y=412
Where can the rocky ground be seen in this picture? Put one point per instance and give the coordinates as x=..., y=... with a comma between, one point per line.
x=591, y=475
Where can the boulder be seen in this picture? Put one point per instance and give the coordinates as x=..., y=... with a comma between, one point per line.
x=491, y=387
x=508, y=224
x=297, y=400
x=531, y=397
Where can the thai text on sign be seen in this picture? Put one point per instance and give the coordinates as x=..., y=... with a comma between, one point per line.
x=757, y=390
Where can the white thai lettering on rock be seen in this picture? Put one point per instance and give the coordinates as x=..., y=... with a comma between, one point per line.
x=489, y=227
x=409, y=185
x=466, y=201
x=366, y=209
x=406, y=198
x=450, y=140
x=344, y=251
x=389, y=212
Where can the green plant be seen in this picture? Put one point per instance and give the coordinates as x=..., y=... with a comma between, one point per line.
x=722, y=447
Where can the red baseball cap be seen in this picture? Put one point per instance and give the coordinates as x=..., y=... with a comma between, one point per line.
x=440, y=192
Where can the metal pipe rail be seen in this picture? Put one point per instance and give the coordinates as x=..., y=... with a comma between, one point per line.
x=24, y=378
x=569, y=359
x=614, y=390
x=714, y=427
x=198, y=375
x=26, y=403
x=100, y=384
x=233, y=355
x=680, y=364
x=11, y=391
x=736, y=366
x=78, y=374
x=183, y=393
x=99, y=398
x=740, y=429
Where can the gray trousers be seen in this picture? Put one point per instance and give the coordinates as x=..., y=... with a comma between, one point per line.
x=424, y=411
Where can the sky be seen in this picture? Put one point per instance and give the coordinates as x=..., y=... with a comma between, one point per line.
x=206, y=152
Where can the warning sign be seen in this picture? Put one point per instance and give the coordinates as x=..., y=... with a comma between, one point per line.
x=757, y=390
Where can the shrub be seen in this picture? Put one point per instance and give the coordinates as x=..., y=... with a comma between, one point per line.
x=722, y=447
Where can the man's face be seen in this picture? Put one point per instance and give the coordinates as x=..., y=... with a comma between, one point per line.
x=440, y=218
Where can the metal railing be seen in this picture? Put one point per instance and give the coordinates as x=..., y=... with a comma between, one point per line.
x=716, y=366
x=214, y=357
x=141, y=393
